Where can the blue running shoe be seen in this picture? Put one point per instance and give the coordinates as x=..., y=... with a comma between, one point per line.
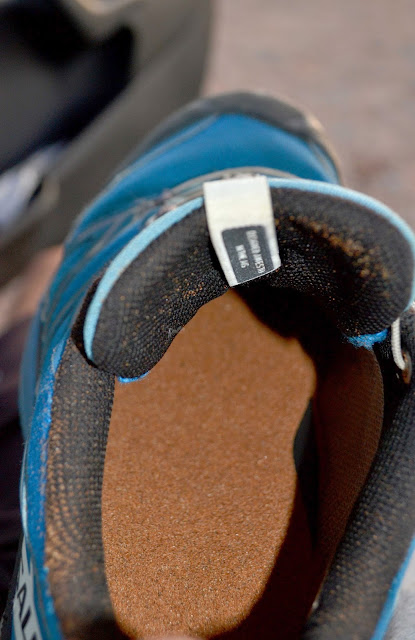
x=259, y=482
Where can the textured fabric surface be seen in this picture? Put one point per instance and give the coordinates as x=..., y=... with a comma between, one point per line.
x=335, y=258
x=74, y=553
x=402, y=623
x=338, y=258
x=277, y=113
x=77, y=445
x=383, y=523
x=357, y=266
x=200, y=483
x=204, y=524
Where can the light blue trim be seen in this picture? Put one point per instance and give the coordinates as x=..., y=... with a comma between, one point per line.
x=226, y=143
x=153, y=231
x=124, y=259
x=128, y=380
x=369, y=340
x=100, y=237
x=389, y=607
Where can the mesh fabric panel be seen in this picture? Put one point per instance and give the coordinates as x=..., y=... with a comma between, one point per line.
x=383, y=523
x=74, y=551
x=344, y=259
x=357, y=266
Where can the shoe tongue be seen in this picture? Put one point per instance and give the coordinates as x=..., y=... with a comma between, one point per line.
x=351, y=254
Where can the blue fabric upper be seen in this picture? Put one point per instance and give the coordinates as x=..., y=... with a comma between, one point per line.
x=117, y=216
x=102, y=234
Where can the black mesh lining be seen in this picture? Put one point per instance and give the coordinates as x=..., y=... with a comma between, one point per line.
x=359, y=269
x=367, y=560
x=74, y=553
x=383, y=523
x=357, y=266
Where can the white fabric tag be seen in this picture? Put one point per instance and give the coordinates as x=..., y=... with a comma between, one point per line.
x=242, y=228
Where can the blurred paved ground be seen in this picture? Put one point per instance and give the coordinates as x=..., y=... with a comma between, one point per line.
x=351, y=62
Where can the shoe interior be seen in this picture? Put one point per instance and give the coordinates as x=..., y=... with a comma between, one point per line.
x=230, y=473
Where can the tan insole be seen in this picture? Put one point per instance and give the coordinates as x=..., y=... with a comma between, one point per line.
x=199, y=481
